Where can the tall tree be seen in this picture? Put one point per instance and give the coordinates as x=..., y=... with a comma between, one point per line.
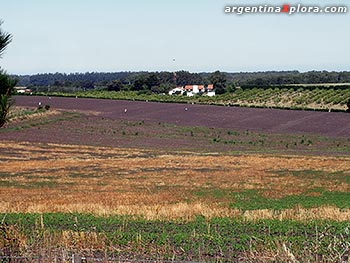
x=115, y=85
x=6, y=83
x=219, y=80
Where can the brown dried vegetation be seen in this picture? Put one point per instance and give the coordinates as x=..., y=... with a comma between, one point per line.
x=155, y=184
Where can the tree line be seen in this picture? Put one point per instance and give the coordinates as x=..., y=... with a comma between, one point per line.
x=161, y=82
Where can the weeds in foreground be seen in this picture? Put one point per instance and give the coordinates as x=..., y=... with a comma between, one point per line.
x=215, y=240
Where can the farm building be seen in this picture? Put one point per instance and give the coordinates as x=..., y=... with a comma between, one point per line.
x=177, y=90
x=192, y=90
x=210, y=90
x=23, y=90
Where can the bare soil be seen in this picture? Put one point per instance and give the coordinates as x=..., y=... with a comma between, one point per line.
x=261, y=120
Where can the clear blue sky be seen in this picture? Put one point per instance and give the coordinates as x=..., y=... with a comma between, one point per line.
x=132, y=35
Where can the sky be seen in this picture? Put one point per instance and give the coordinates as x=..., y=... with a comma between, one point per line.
x=166, y=35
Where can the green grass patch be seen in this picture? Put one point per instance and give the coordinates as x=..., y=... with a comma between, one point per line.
x=32, y=184
x=65, y=116
x=84, y=175
x=22, y=113
x=9, y=175
x=253, y=199
x=215, y=240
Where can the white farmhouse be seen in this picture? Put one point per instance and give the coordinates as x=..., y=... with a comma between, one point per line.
x=192, y=90
x=22, y=90
x=210, y=90
x=177, y=90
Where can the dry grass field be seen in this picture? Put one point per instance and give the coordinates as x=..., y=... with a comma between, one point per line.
x=154, y=184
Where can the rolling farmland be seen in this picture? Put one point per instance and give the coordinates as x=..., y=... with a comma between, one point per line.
x=265, y=120
x=210, y=183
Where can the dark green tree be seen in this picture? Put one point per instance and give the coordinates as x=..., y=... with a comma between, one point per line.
x=187, y=78
x=162, y=88
x=152, y=80
x=115, y=85
x=6, y=83
x=230, y=87
x=87, y=85
x=140, y=83
x=219, y=80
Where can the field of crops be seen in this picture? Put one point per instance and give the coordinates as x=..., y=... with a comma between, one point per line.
x=55, y=237
x=293, y=97
x=333, y=124
x=87, y=178
x=321, y=99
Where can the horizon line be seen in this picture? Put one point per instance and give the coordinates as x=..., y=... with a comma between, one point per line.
x=170, y=71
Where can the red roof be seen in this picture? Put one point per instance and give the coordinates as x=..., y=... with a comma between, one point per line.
x=190, y=87
x=210, y=87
